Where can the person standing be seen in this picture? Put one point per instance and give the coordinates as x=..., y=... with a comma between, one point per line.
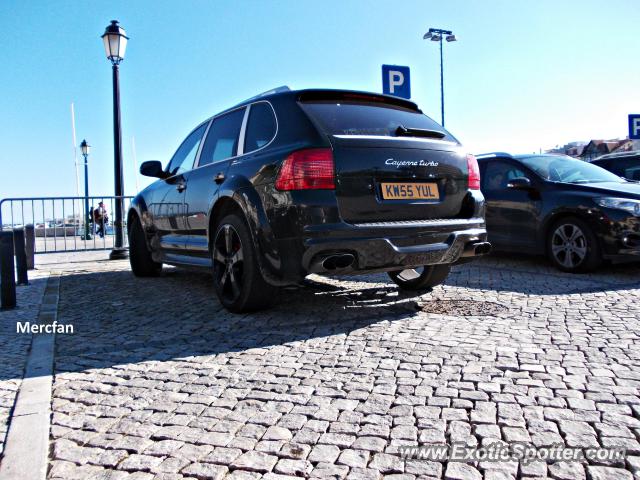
x=101, y=218
x=92, y=220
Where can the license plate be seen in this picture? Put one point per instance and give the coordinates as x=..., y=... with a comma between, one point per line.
x=410, y=191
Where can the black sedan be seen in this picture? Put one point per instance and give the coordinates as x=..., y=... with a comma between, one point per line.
x=576, y=213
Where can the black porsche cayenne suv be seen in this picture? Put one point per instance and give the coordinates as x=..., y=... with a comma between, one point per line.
x=312, y=181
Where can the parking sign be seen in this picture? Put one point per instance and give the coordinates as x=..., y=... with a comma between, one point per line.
x=396, y=81
x=634, y=126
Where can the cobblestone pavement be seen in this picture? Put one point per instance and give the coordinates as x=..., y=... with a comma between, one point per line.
x=159, y=381
x=15, y=347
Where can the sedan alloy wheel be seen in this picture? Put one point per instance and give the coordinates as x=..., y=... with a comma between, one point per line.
x=569, y=245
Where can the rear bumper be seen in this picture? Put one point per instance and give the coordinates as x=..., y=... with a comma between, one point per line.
x=393, y=245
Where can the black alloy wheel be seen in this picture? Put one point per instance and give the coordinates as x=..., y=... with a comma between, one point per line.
x=228, y=259
x=236, y=274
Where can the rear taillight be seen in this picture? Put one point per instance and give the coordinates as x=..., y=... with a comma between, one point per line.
x=309, y=169
x=474, y=172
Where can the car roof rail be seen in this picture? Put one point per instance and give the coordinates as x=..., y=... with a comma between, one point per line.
x=628, y=153
x=283, y=88
x=494, y=154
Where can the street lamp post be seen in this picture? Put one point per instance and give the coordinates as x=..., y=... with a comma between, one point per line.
x=115, y=44
x=436, y=35
x=86, y=148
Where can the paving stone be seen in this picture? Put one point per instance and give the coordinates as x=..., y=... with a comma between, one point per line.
x=324, y=453
x=385, y=463
x=353, y=458
x=607, y=473
x=567, y=471
x=461, y=471
x=206, y=471
x=372, y=444
x=365, y=474
x=255, y=461
x=140, y=462
x=423, y=468
x=329, y=470
x=294, y=468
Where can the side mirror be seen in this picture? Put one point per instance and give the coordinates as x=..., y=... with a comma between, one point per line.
x=520, y=183
x=152, y=168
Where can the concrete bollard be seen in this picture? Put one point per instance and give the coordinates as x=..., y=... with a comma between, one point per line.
x=20, y=251
x=7, y=273
x=30, y=241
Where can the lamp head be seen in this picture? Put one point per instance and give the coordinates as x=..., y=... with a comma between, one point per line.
x=85, y=147
x=115, y=42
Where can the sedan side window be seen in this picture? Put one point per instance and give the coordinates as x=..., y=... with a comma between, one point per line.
x=497, y=175
x=185, y=156
x=222, y=140
x=627, y=168
x=261, y=127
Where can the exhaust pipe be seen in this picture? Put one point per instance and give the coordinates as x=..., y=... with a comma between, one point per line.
x=482, y=248
x=473, y=249
x=338, y=262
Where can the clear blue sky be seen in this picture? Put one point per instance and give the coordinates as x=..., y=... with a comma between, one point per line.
x=523, y=75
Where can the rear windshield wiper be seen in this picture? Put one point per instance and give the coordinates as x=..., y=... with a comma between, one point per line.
x=402, y=131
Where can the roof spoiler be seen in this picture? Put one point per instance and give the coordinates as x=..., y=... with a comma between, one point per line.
x=494, y=154
x=330, y=95
x=281, y=89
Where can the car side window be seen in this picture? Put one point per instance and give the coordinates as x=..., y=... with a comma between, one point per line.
x=498, y=174
x=261, y=127
x=185, y=156
x=222, y=140
x=627, y=168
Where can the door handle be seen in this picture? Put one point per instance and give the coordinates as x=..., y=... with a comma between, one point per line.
x=219, y=178
x=181, y=187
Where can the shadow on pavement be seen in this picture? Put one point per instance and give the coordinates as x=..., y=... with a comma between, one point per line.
x=530, y=275
x=121, y=319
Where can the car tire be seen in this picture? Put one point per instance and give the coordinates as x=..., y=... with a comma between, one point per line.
x=572, y=246
x=413, y=279
x=142, y=264
x=237, y=279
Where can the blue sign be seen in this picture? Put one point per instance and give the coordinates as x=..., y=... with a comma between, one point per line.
x=396, y=81
x=634, y=126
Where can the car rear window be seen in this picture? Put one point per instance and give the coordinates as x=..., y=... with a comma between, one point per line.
x=337, y=117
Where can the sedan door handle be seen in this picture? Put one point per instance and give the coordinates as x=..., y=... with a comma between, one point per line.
x=219, y=178
x=181, y=187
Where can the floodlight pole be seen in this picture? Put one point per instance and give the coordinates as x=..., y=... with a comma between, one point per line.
x=441, y=83
x=438, y=35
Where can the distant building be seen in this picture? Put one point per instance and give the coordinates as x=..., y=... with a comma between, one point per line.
x=597, y=148
x=593, y=149
x=573, y=149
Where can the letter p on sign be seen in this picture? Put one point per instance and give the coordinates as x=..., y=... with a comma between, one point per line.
x=634, y=126
x=396, y=81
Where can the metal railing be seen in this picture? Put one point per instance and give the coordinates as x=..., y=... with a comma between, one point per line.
x=61, y=223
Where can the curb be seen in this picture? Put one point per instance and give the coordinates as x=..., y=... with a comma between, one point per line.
x=26, y=449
